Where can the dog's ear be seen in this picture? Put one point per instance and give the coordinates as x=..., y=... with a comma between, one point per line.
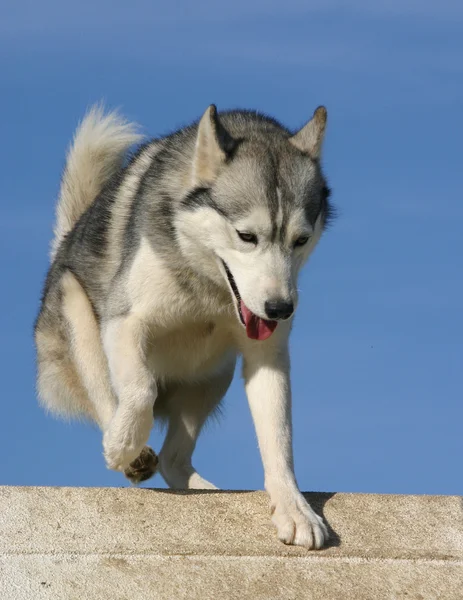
x=213, y=146
x=310, y=138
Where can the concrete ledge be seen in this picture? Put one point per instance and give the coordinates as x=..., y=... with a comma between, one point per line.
x=71, y=543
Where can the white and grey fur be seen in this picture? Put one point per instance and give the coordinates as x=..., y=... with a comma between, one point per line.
x=139, y=314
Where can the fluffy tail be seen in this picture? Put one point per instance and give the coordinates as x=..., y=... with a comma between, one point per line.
x=96, y=153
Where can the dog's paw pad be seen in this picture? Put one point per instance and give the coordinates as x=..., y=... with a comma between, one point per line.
x=143, y=467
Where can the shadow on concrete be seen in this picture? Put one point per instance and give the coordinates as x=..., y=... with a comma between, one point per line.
x=198, y=492
x=317, y=501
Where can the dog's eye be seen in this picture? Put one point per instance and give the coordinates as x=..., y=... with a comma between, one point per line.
x=247, y=237
x=301, y=241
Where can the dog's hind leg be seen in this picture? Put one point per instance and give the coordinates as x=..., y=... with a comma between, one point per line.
x=188, y=408
x=87, y=350
x=72, y=375
x=59, y=387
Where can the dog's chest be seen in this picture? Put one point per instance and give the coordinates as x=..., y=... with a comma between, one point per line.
x=190, y=351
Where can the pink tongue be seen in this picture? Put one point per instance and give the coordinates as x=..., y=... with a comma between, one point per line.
x=256, y=328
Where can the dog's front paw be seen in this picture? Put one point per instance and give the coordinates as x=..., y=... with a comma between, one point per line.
x=125, y=439
x=297, y=523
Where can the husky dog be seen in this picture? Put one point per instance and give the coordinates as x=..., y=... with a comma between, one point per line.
x=166, y=265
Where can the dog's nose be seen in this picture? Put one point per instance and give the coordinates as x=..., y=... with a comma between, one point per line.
x=278, y=309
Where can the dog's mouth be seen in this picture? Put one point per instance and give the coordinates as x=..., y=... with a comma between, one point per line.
x=256, y=327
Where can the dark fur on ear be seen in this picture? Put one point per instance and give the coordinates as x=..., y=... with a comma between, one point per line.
x=225, y=140
x=213, y=147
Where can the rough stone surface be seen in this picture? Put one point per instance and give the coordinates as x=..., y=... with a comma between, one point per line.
x=130, y=544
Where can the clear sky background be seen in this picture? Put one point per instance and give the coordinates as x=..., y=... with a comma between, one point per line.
x=377, y=345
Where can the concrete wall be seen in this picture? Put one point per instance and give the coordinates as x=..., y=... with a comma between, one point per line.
x=130, y=544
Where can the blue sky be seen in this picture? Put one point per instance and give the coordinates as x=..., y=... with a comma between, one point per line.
x=377, y=345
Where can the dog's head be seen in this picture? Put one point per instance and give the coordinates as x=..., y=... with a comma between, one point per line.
x=257, y=205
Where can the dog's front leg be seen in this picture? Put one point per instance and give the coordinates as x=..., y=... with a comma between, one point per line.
x=124, y=342
x=266, y=373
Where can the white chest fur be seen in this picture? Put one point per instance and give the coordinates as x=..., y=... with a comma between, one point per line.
x=190, y=352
